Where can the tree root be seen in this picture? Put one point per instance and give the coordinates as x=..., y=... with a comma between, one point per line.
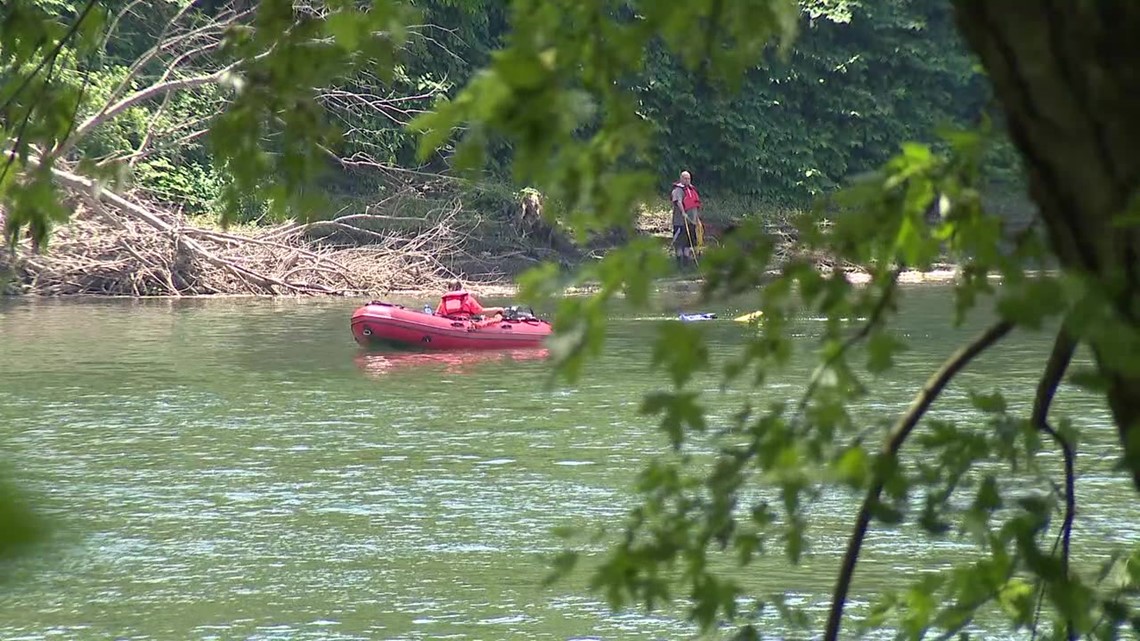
x=119, y=245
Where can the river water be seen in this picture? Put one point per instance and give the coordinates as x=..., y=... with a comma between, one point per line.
x=239, y=469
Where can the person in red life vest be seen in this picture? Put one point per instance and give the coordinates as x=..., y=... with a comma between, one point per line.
x=457, y=303
x=686, y=212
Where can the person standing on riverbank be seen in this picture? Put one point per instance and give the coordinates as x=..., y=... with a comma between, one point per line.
x=686, y=215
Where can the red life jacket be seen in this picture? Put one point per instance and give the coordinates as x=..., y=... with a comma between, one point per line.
x=691, y=199
x=453, y=303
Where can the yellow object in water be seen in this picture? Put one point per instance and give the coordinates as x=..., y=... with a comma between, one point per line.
x=748, y=318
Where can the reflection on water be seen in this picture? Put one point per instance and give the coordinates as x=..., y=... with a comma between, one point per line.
x=241, y=469
x=458, y=362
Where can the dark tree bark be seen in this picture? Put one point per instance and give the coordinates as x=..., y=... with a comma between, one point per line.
x=1067, y=73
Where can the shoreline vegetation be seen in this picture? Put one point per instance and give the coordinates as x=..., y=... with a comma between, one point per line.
x=409, y=243
x=491, y=289
x=149, y=162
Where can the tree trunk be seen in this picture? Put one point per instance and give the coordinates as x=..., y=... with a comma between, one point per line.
x=1067, y=73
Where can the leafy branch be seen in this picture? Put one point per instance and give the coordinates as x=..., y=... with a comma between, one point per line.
x=895, y=440
x=51, y=56
x=49, y=60
x=886, y=298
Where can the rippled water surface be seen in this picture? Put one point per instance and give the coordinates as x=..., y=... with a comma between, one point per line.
x=240, y=469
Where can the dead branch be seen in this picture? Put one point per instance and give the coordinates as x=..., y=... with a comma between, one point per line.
x=143, y=154
x=359, y=103
x=166, y=42
x=897, y=436
x=119, y=245
x=1064, y=347
x=143, y=95
x=153, y=121
x=361, y=159
x=189, y=44
x=420, y=31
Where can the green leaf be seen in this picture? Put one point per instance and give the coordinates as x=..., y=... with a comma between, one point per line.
x=680, y=411
x=561, y=566
x=886, y=513
x=881, y=350
x=988, y=497
x=747, y=544
x=854, y=467
x=795, y=541
x=931, y=521
x=1032, y=302
x=1089, y=379
x=565, y=531
x=1130, y=215
x=1017, y=599
x=347, y=27
x=22, y=529
x=989, y=403
x=887, y=469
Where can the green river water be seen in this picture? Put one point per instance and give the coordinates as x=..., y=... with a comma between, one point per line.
x=239, y=469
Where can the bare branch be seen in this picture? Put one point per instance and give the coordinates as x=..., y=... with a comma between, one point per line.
x=212, y=32
x=155, y=140
x=197, y=41
x=360, y=103
x=898, y=435
x=146, y=94
x=1064, y=346
x=134, y=158
x=166, y=99
x=360, y=159
x=419, y=31
x=113, y=26
x=150, y=54
x=134, y=248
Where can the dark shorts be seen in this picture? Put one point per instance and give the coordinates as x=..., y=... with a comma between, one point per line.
x=681, y=239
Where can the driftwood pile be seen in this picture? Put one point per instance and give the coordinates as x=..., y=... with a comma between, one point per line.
x=117, y=245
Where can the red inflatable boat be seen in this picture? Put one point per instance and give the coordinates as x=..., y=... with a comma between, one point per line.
x=380, y=323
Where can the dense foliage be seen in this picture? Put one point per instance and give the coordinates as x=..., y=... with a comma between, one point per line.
x=863, y=78
x=557, y=95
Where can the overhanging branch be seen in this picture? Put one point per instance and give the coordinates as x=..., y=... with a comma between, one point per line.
x=1064, y=346
x=898, y=435
x=888, y=295
x=51, y=56
x=146, y=94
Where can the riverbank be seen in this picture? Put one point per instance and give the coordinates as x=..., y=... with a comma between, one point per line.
x=368, y=271
x=411, y=243
x=509, y=290
x=417, y=238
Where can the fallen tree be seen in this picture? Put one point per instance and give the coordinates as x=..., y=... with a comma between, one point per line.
x=119, y=245
x=144, y=118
